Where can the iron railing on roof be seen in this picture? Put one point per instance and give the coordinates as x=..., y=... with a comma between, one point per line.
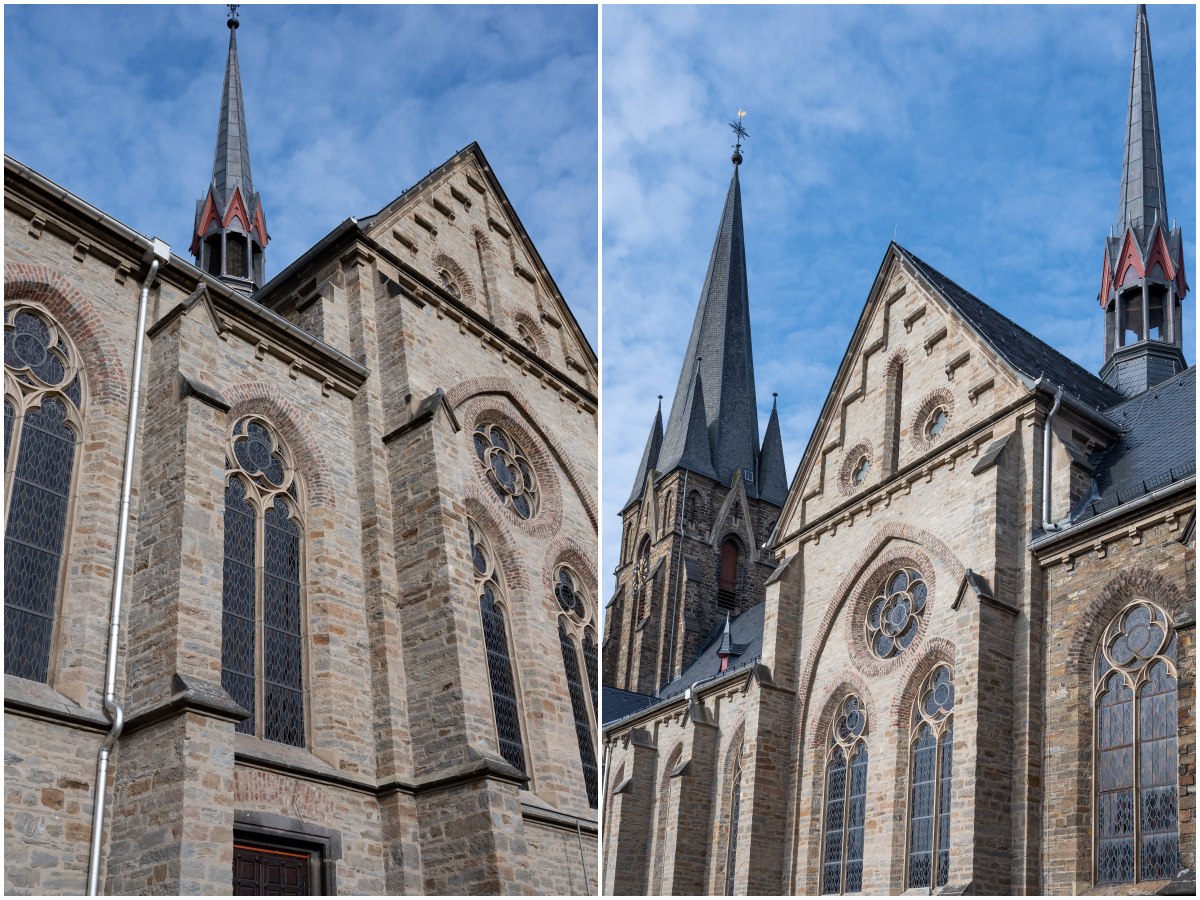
x=1129, y=491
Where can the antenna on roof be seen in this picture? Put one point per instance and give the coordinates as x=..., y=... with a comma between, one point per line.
x=742, y=134
x=232, y=21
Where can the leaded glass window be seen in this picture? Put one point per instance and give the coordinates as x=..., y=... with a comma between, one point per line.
x=499, y=659
x=894, y=615
x=931, y=750
x=845, y=801
x=43, y=426
x=507, y=469
x=1137, y=766
x=735, y=816
x=262, y=622
x=577, y=638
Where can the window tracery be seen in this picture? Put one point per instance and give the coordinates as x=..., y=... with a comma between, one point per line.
x=931, y=749
x=262, y=638
x=577, y=639
x=641, y=579
x=894, y=615
x=507, y=469
x=1136, y=748
x=845, y=801
x=735, y=816
x=495, y=632
x=43, y=424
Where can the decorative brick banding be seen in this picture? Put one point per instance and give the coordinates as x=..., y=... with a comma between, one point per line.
x=106, y=379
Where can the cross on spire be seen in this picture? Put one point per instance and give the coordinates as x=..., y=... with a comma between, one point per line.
x=740, y=131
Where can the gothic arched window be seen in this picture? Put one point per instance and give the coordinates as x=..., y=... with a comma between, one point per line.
x=495, y=634
x=576, y=637
x=262, y=638
x=735, y=816
x=641, y=579
x=1137, y=762
x=43, y=424
x=931, y=748
x=845, y=801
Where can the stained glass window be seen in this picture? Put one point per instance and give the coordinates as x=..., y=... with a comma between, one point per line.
x=845, y=801
x=894, y=615
x=931, y=750
x=507, y=469
x=43, y=423
x=1137, y=767
x=262, y=640
x=735, y=811
x=577, y=635
x=583, y=724
x=499, y=660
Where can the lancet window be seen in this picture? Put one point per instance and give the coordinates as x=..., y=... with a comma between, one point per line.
x=262, y=638
x=1136, y=748
x=577, y=639
x=489, y=587
x=845, y=801
x=43, y=426
x=931, y=751
x=735, y=817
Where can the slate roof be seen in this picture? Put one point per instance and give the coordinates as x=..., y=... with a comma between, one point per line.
x=231, y=161
x=719, y=352
x=1143, y=190
x=618, y=703
x=1028, y=355
x=649, y=457
x=772, y=473
x=1157, y=446
x=746, y=632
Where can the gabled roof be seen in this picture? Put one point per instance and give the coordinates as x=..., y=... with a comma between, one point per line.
x=719, y=352
x=620, y=703
x=746, y=635
x=1157, y=446
x=1028, y=355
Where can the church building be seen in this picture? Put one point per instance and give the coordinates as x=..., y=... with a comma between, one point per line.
x=299, y=572
x=957, y=654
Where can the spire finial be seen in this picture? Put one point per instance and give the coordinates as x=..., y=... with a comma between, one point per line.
x=774, y=399
x=660, y=403
x=740, y=130
x=232, y=21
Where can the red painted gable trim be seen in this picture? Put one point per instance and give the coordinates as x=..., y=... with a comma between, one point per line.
x=1159, y=254
x=1130, y=256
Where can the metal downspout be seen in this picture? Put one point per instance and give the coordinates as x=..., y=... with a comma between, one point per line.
x=158, y=253
x=1047, y=525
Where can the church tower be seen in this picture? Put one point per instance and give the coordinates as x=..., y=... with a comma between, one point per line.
x=707, y=493
x=1143, y=283
x=230, y=233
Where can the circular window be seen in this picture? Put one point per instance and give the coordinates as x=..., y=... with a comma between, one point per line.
x=507, y=469
x=894, y=614
x=936, y=423
x=855, y=469
x=861, y=468
x=526, y=337
x=450, y=284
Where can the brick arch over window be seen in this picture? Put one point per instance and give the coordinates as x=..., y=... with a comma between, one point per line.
x=266, y=400
x=565, y=551
x=480, y=387
x=106, y=379
x=937, y=550
x=507, y=557
x=897, y=361
x=535, y=331
x=486, y=252
x=466, y=287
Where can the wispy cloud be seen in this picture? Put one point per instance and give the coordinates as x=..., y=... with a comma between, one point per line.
x=347, y=106
x=988, y=139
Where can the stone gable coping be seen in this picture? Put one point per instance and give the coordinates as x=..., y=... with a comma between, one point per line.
x=1133, y=582
x=66, y=305
x=209, y=396
x=266, y=400
x=490, y=385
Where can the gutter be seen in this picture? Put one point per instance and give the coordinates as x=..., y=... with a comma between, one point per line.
x=158, y=253
x=746, y=669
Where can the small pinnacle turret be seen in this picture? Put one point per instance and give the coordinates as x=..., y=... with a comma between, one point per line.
x=230, y=232
x=649, y=456
x=1143, y=283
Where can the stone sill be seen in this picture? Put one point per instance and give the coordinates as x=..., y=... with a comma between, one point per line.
x=35, y=700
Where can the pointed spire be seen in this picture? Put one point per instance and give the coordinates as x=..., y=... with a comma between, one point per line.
x=230, y=231
x=649, y=456
x=696, y=455
x=1143, y=190
x=719, y=350
x=772, y=474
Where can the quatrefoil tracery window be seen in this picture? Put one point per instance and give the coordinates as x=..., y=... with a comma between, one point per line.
x=489, y=588
x=1136, y=746
x=577, y=640
x=43, y=425
x=507, y=469
x=262, y=641
x=894, y=615
x=931, y=749
x=845, y=801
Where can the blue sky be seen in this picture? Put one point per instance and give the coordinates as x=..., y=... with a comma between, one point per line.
x=989, y=139
x=346, y=107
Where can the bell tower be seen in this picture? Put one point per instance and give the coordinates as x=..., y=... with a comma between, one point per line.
x=230, y=233
x=1143, y=283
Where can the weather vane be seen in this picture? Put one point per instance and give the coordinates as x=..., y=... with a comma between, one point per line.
x=740, y=130
x=232, y=21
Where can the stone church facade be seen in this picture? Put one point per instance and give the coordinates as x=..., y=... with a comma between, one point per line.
x=968, y=663
x=357, y=648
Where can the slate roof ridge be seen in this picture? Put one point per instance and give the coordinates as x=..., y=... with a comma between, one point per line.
x=1028, y=354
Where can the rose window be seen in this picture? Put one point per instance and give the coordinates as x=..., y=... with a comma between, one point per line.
x=450, y=284
x=509, y=471
x=895, y=613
